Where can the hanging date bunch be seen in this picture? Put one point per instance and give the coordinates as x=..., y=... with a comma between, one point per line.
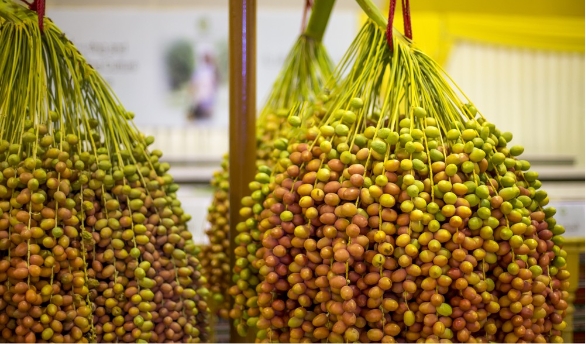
x=303, y=75
x=93, y=242
x=405, y=215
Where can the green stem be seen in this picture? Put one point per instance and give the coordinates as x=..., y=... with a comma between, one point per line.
x=373, y=12
x=5, y=10
x=318, y=21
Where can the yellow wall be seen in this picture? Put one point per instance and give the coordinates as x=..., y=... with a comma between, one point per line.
x=537, y=24
x=566, y=8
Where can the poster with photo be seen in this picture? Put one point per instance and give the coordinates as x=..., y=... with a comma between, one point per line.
x=170, y=66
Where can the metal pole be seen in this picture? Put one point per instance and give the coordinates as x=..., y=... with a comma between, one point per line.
x=242, y=163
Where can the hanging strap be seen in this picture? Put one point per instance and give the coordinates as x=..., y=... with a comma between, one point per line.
x=308, y=6
x=406, y=21
x=39, y=7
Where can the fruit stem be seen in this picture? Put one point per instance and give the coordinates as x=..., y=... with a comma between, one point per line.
x=373, y=12
x=7, y=13
x=318, y=20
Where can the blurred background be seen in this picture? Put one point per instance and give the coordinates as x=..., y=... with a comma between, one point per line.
x=521, y=63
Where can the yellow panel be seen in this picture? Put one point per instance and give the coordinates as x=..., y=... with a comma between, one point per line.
x=574, y=247
x=570, y=8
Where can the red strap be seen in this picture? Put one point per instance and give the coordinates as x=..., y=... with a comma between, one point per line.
x=308, y=6
x=390, y=24
x=406, y=21
x=39, y=7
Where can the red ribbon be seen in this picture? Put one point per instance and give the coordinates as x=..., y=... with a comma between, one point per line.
x=406, y=21
x=39, y=7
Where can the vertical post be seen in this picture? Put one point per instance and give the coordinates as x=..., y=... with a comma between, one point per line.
x=242, y=163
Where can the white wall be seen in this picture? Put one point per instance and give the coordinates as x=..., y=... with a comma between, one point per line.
x=536, y=95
